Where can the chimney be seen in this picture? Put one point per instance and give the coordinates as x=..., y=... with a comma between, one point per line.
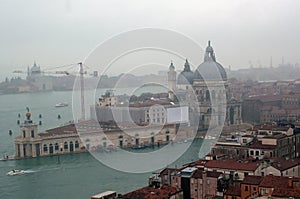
x=203, y=175
x=290, y=182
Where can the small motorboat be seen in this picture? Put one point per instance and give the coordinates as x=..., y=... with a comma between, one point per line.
x=15, y=172
x=61, y=105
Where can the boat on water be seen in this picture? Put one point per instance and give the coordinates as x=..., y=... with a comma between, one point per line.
x=15, y=172
x=61, y=104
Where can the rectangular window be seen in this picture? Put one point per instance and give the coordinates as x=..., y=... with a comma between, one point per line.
x=32, y=133
x=251, y=152
x=246, y=188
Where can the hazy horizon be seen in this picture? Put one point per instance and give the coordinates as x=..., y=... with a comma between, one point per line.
x=55, y=33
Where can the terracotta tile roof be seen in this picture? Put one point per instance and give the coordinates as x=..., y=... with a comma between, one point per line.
x=151, y=193
x=282, y=164
x=259, y=145
x=213, y=174
x=62, y=130
x=280, y=182
x=197, y=174
x=266, y=98
x=232, y=164
x=248, y=136
x=270, y=127
x=172, y=171
x=252, y=180
x=233, y=191
x=149, y=103
x=286, y=193
x=278, y=136
x=199, y=163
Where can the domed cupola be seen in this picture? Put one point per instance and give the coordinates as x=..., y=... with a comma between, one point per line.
x=210, y=69
x=186, y=76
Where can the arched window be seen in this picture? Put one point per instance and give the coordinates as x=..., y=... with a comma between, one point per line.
x=167, y=135
x=213, y=94
x=121, y=140
x=137, y=140
x=152, y=138
x=71, y=146
x=56, y=147
x=66, y=145
x=207, y=97
x=104, y=142
x=76, y=144
x=45, y=148
x=231, y=115
x=50, y=148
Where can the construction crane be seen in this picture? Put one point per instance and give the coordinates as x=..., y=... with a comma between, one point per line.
x=81, y=73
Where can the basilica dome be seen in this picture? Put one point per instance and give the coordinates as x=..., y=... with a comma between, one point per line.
x=210, y=69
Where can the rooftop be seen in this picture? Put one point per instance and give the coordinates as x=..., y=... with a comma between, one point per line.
x=270, y=127
x=232, y=164
x=279, y=182
x=286, y=193
x=283, y=164
x=252, y=180
x=62, y=130
x=233, y=191
x=259, y=145
x=151, y=193
x=167, y=170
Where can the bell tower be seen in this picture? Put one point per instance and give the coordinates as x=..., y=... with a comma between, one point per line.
x=171, y=77
x=24, y=146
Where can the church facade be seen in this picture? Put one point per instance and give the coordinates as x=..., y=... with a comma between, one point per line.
x=208, y=87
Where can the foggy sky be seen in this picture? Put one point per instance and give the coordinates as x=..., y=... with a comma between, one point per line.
x=57, y=32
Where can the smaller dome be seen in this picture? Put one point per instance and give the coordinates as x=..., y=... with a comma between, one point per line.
x=186, y=76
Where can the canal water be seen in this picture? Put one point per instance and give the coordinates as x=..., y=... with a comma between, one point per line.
x=71, y=176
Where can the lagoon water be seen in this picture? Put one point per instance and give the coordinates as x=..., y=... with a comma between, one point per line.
x=73, y=176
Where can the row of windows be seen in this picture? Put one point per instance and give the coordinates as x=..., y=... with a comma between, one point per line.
x=32, y=133
x=66, y=145
x=157, y=120
x=153, y=110
x=247, y=188
x=257, y=153
x=137, y=135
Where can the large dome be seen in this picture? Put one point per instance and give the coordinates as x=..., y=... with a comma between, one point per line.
x=210, y=69
x=186, y=76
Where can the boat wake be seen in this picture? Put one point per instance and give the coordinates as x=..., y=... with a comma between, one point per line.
x=29, y=171
x=19, y=172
